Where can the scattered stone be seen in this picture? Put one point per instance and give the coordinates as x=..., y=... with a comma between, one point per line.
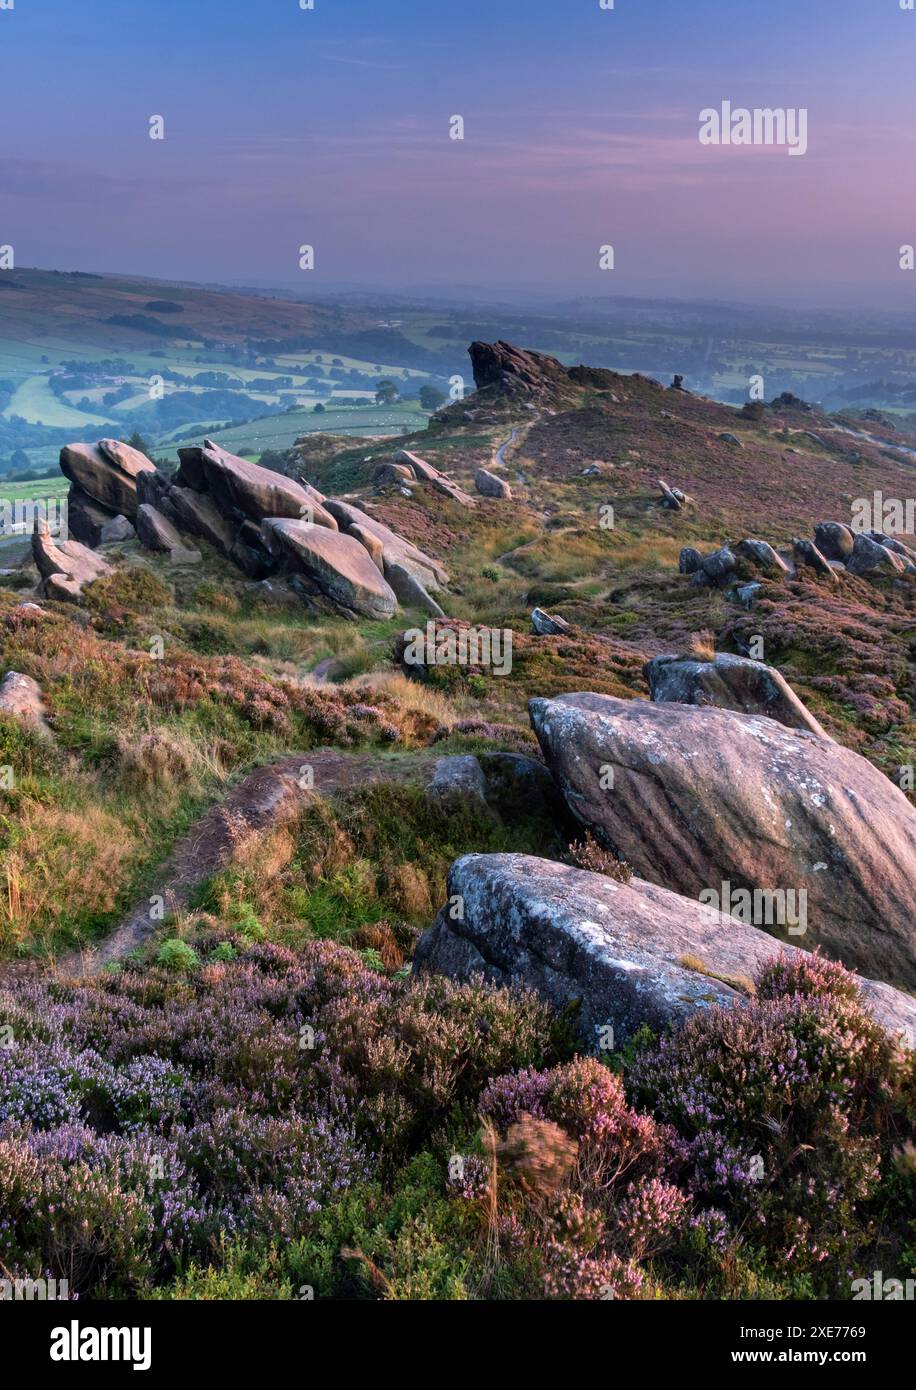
x=746, y=593
x=21, y=699
x=548, y=625
x=707, y=797
x=489, y=485
x=689, y=561
x=728, y=438
x=729, y=682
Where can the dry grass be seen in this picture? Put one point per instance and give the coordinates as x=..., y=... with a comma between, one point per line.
x=410, y=695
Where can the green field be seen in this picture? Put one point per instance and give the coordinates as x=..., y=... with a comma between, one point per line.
x=282, y=431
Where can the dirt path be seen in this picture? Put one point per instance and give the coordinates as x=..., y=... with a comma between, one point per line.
x=266, y=797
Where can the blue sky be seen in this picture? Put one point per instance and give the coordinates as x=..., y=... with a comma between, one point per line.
x=330, y=127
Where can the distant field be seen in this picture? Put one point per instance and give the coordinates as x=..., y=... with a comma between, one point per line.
x=44, y=488
x=35, y=401
x=282, y=431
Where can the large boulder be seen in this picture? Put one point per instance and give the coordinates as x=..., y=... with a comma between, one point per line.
x=627, y=954
x=729, y=682
x=699, y=800
x=834, y=540
x=65, y=566
x=107, y=472
x=805, y=552
x=338, y=567
x=235, y=484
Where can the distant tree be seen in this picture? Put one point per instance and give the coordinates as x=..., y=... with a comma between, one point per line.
x=386, y=392
x=136, y=441
x=431, y=397
x=318, y=409
x=19, y=459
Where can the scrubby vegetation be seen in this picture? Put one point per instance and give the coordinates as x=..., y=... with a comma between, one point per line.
x=245, y=1120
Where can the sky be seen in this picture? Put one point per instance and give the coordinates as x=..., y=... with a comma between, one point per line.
x=329, y=127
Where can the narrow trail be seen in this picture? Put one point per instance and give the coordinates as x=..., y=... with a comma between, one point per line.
x=501, y=451
x=268, y=796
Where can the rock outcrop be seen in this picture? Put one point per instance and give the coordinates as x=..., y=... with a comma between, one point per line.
x=729, y=682
x=228, y=502
x=620, y=954
x=697, y=798
x=336, y=566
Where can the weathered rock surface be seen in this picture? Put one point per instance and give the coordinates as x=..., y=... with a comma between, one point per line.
x=393, y=473
x=21, y=699
x=201, y=516
x=106, y=472
x=703, y=797
x=256, y=492
x=869, y=557
x=548, y=624
x=729, y=682
x=65, y=567
x=347, y=515
x=807, y=553
x=834, y=540
x=719, y=564
x=86, y=518
x=156, y=532
x=762, y=555
x=689, y=560
x=408, y=588
x=622, y=952
x=422, y=470
x=489, y=485
x=457, y=780
x=337, y=565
